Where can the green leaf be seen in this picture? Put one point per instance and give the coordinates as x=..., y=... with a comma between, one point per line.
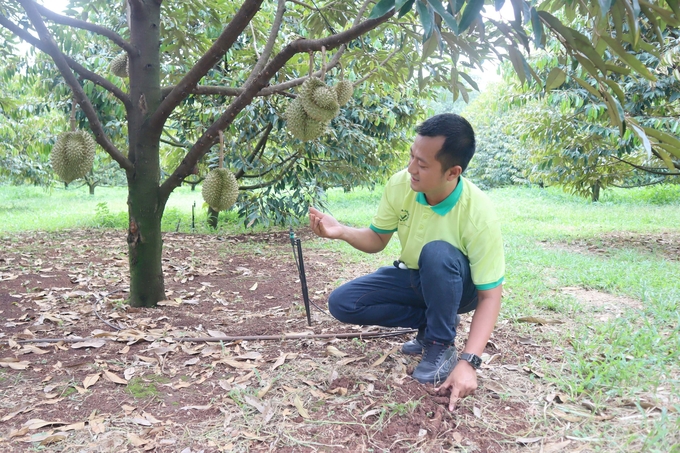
x=469, y=80
x=633, y=24
x=643, y=137
x=674, y=6
x=615, y=111
x=517, y=63
x=382, y=8
x=556, y=78
x=470, y=13
x=498, y=4
x=426, y=18
x=459, y=5
x=663, y=137
x=448, y=18
x=605, y=5
x=617, y=69
x=406, y=8
x=616, y=89
x=537, y=27
x=430, y=46
x=592, y=90
x=628, y=58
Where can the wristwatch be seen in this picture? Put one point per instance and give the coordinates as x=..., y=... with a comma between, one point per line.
x=472, y=359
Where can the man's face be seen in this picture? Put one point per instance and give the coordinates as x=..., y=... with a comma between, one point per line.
x=425, y=169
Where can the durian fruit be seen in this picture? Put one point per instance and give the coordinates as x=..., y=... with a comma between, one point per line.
x=319, y=101
x=120, y=65
x=344, y=90
x=72, y=155
x=301, y=125
x=220, y=189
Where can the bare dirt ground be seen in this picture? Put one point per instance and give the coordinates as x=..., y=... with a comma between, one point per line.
x=99, y=376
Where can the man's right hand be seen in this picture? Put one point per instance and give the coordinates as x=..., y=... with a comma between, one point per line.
x=324, y=225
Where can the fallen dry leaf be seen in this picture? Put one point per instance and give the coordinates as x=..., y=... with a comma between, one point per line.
x=91, y=380
x=382, y=359
x=301, y=409
x=14, y=413
x=170, y=303
x=36, y=423
x=93, y=343
x=72, y=427
x=14, y=363
x=254, y=287
x=193, y=361
x=264, y=390
x=196, y=408
x=137, y=441
x=114, y=378
x=528, y=440
x=335, y=352
x=555, y=447
x=238, y=365
x=53, y=439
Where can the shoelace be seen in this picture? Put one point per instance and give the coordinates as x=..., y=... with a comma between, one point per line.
x=435, y=350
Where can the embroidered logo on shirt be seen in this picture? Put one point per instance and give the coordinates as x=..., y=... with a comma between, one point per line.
x=403, y=216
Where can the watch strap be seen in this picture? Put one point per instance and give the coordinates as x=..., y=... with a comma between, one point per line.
x=472, y=359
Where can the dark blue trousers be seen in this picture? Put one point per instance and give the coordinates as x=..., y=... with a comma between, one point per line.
x=429, y=297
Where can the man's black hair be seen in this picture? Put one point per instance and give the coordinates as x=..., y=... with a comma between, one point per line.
x=459, y=143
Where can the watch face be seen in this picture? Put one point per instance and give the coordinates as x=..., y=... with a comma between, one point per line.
x=473, y=359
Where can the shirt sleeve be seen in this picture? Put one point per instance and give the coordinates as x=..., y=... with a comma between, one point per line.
x=386, y=219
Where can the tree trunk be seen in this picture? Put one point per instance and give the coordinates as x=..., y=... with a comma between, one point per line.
x=145, y=244
x=91, y=186
x=213, y=216
x=145, y=205
x=596, y=191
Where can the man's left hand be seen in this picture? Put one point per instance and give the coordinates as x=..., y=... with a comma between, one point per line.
x=462, y=382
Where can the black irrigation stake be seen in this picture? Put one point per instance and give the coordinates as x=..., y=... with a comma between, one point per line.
x=299, y=262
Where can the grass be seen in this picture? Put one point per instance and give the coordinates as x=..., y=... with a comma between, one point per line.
x=630, y=359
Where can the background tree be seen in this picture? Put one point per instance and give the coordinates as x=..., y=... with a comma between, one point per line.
x=160, y=38
x=578, y=144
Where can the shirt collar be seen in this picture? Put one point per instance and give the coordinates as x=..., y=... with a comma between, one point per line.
x=448, y=203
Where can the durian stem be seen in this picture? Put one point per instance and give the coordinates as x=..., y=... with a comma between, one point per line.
x=311, y=63
x=323, y=62
x=73, y=114
x=221, y=161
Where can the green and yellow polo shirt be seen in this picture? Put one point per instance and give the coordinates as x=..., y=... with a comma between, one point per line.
x=466, y=219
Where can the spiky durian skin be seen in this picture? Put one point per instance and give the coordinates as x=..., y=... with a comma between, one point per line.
x=220, y=189
x=344, y=90
x=120, y=65
x=72, y=155
x=319, y=101
x=301, y=125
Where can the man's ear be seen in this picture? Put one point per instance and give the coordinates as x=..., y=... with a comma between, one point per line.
x=454, y=172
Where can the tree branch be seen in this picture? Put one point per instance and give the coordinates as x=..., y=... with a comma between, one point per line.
x=76, y=23
x=53, y=51
x=249, y=91
x=269, y=46
x=77, y=67
x=180, y=92
x=280, y=176
x=654, y=171
x=261, y=145
x=175, y=144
